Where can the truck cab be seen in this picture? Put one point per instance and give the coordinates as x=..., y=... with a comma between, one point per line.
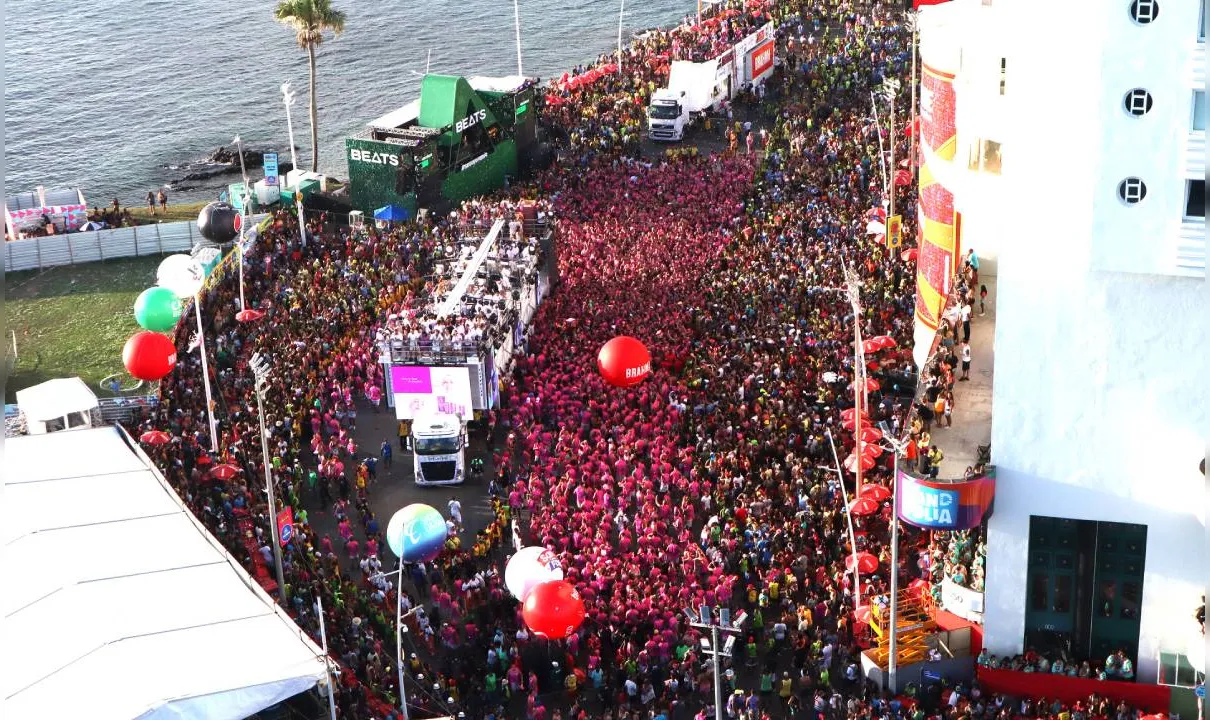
x=667, y=116
x=439, y=449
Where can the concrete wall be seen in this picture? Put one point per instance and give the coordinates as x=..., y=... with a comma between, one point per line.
x=1098, y=409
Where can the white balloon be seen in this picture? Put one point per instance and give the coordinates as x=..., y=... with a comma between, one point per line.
x=530, y=567
x=182, y=275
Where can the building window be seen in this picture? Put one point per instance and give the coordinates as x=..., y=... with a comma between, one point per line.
x=1138, y=102
x=1132, y=190
x=1144, y=11
x=1003, y=73
x=1199, y=110
x=1195, y=199
x=1201, y=21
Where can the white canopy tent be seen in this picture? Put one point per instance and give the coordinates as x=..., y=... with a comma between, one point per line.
x=66, y=399
x=118, y=601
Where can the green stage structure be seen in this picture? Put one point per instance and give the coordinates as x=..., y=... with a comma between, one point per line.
x=461, y=138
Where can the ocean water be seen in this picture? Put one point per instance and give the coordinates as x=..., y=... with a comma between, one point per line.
x=116, y=98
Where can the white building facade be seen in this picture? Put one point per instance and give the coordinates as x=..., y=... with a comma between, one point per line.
x=1079, y=172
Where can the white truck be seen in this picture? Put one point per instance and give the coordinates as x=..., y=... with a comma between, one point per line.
x=439, y=449
x=696, y=88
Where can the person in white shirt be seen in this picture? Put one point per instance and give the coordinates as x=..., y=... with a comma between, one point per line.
x=456, y=512
x=966, y=362
x=965, y=314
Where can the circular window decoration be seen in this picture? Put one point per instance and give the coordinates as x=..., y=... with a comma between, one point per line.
x=1144, y=11
x=1132, y=190
x=1138, y=102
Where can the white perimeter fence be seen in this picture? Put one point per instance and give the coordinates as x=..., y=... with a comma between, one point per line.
x=94, y=245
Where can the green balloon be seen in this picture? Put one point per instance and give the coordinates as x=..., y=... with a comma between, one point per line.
x=157, y=309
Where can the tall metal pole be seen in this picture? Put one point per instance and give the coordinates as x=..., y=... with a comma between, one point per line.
x=517, y=22
x=323, y=638
x=243, y=228
x=201, y=347
x=881, y=147
x=621, y=15
x=853, y=290
x=894, y=171
x=264, y=448
x=403, y=698
x=288, y=99
x=913, y=19
x=718, y=678
x=893, y=663
x=848, y=515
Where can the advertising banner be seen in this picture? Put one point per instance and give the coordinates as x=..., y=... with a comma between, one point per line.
x=963, y=602
x=944, y=505
x=762, y=60
x=285, y=526
x=420, y=390
x=271, y=169
x=478, y=376
x=940, y=226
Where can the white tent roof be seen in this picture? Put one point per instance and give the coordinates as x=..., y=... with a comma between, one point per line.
x=55, y=399
x=114, y=595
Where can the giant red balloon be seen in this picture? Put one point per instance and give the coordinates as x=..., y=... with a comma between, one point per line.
x=553, y=609
x=624, y=361
x=149, y=356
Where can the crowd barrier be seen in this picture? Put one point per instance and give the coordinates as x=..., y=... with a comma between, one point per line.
x=96, y=245
x=1152, y=698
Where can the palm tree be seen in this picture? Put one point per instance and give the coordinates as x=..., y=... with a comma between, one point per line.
x=309, y=19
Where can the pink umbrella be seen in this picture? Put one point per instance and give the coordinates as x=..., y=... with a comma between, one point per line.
x=249, y=315
x=862, y=614
x=224, y=472
x=910, y=254
x=866, y=563
x=871, y=450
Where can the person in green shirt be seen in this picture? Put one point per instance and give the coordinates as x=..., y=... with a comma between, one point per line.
x=766, y=682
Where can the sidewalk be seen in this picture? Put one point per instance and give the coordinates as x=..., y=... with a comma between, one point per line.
x=972, y=411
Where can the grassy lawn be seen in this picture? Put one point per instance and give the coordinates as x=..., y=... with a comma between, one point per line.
x=73, y=320
x=186, y=211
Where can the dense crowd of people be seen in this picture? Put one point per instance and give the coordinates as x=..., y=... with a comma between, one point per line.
x=712, y=482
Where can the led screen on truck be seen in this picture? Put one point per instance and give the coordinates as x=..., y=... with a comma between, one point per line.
x=423, y=390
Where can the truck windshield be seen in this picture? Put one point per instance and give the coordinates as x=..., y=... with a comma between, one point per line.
x=436, y=446
x=664, y=112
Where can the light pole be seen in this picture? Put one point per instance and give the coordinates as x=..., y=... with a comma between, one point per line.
x=517, y=23
x=261, y=371
x=288, y=98
x=201, y=348
x=704, y=619
x=913, y=22
x=897, y=446
x=889, y=89
x=621, y=15
x=243, y=226
x=844, y=495
x=399, y=631
x=323, y=638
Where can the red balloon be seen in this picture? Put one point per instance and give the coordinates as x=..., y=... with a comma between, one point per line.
x=553, y=609
x=624, y=361
x=149, y=356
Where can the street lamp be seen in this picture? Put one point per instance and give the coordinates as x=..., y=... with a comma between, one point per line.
x=844, y=496
x=400, y=629
x=261, y=371
x=704, y=619
x=243, y=226
x=896, y=446
x=288, y=99
x=621, y=15
x=889, y=89
x=323, y=637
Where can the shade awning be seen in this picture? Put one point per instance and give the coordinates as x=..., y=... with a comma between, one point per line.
x=116, y=593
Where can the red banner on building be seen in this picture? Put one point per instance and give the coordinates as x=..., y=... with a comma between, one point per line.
x=939, y=223
x=762, y=59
